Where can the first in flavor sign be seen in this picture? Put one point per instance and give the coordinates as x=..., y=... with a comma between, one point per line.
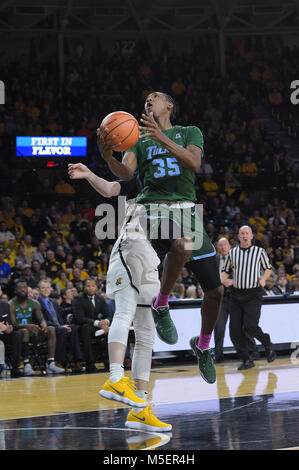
x=51, y=146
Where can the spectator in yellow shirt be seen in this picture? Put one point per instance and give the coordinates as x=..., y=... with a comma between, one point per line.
x=9, y=257
x=210, y=187
x=62, y=187
x=79, y=265
x=68, y=216
x=18, y=226
x=60, y=281
x=27, y=211
x=249, y=168
x=259, y=221
x=29, y=249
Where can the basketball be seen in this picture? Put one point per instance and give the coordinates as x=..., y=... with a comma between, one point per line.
x=125, y=128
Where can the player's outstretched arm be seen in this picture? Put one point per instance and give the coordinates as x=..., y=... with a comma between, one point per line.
x=102, y=186
x=125, y=169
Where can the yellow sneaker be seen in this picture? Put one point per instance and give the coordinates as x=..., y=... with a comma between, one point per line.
x=146, y=420
x=123, y=391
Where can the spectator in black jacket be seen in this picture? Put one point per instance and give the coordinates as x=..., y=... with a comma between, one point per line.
x=52, y=313
x=92, y=314
x=67, y=295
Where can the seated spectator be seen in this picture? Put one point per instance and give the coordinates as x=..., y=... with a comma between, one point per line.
x=68, y=264
x=67, y=295
x=283, y=285
x=5, y=234
x=248, y=168
x=232, y=185
x=28, y=276
x=25, y=312
x=256, y=219
x=68, y=215
x=288, y=265
x=278, y=258
x=53, y=316
x=35, y=268
x=9, y=257
x=286, y=249
x=35, y=293
x=41, y=253
x=29, y=249
x=21, y=255
x=179, y=290
x=191, y=292
x=79, y=264
x=294, y=286
x=5, y=270
x=295, y=271
x=77, y=279
x=60, y=254
x=210, y=186
x=62, y=187
x=60, y=281
x=270, y=289
x=91, y=313
x=231, y=209
x=51, y=266
x=187, y=278
x=11, y=337
x=79, y=228
x=27, y=211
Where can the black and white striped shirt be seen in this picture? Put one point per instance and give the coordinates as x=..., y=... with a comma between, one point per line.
x=247, y=265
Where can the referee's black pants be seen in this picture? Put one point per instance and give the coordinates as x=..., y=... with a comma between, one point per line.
x=244, y=320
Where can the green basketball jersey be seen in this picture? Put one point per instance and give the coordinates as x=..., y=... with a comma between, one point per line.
x=23, y=315
x=160, y=176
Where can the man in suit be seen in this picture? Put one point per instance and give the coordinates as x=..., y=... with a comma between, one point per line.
x=11, y=337
x=92, y=314
x=53, y=316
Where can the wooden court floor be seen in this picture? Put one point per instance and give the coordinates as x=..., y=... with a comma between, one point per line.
x=248, y=410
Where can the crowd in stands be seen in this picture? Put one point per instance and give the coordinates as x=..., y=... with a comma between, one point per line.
x=47, y=230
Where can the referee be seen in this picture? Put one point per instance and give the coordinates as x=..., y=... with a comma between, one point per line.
x=247, y=261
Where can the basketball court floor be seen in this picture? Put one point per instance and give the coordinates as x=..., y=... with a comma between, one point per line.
x=257, y=409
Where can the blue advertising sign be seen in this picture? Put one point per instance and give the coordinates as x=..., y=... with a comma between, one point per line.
x=51, y=146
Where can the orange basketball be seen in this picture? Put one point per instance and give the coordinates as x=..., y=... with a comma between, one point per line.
x=125, y=128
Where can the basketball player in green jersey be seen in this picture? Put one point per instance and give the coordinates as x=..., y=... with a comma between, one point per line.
x=23, y=310
x=167, y=158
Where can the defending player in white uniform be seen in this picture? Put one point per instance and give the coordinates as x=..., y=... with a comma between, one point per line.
x=132, y=279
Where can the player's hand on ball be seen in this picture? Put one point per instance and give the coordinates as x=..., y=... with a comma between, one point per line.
x=105, y=145
x=78, y=171
x=151, y=128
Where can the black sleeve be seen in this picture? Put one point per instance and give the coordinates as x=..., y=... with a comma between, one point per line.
x=128, y=188
x=5, y=312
